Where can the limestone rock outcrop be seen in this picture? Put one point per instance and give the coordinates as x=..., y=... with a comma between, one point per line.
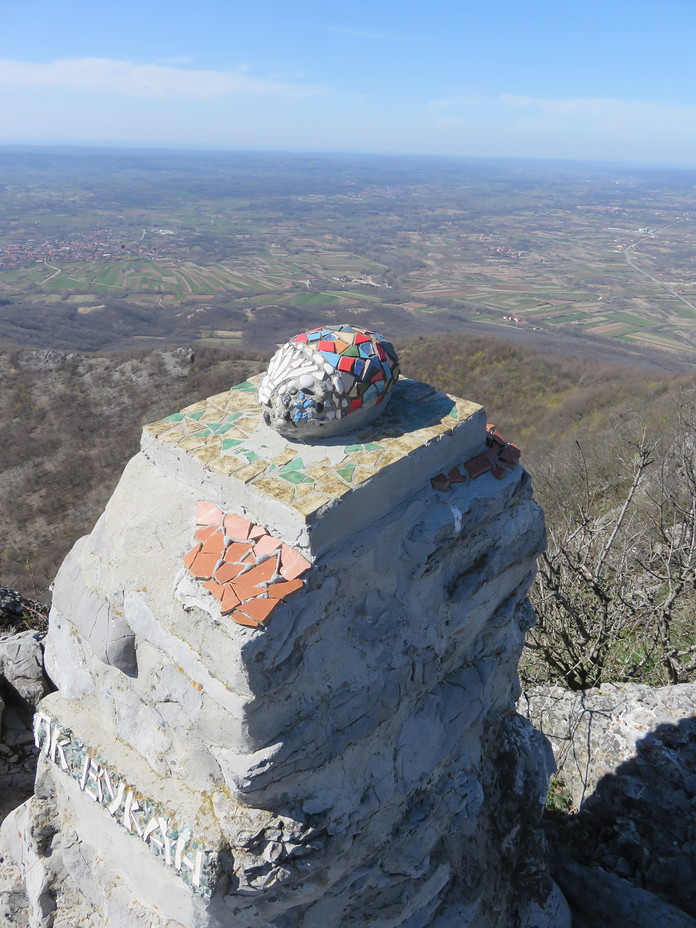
x=286, y=687
x=626, y=755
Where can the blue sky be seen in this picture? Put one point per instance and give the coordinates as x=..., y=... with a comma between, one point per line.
x=608, y=81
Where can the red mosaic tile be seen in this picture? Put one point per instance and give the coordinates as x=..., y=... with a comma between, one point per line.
x=262, y=573
x=189, y=558
x=292, y=564
x=282, y=590
x=230, y=600
x=346, y=364
x=237, y=527
x=381, y=352
x=440, y=482
x=237, y=552
x=327, y=346
x=360, y=339
x=266, y=545
x=242, y=619
x=456, y=476
x=478, y=465
x=207, y=514
x=301, y=337
x=215, y=588
x=259, y=609
x=227, y=572
x=204, y=565
x=356, y=404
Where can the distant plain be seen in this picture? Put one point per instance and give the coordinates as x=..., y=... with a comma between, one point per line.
x=109, y=249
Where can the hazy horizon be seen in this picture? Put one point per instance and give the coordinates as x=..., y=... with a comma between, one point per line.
x=590, y=82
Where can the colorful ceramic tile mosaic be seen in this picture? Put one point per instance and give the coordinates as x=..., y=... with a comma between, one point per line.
x=228, y=437
x=321, y=378
x=498, y=456
x=247, y=571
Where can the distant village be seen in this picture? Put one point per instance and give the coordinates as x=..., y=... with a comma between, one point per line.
x=100, y=245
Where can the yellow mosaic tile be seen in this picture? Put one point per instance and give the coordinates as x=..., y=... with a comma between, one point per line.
x=285, y=457
x=278, y=489
x=362, y=473
x=195, y=407
x=206, y=455
x=251, y=470
x=317, y=471
x=302, y=489
x=311, y=503
x=177, y=434
x=389, y=457
x=233, y=433
x=190, y=443
x=331, y=485
x=158, y=428
x=212, y=416
x=225, y=466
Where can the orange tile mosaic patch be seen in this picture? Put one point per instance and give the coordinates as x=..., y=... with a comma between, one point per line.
x=247, y=570
x=498, y=456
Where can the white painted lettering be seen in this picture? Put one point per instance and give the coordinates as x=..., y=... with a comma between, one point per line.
x=113, y=808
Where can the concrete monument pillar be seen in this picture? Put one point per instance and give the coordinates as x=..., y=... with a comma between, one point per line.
x=286, y=679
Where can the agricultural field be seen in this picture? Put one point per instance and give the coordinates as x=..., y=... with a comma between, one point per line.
x=593, y=252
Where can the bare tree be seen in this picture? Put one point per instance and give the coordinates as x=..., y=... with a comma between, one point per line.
x=617, y=584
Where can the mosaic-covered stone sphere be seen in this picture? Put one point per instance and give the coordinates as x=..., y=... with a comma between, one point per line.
x=333, y=379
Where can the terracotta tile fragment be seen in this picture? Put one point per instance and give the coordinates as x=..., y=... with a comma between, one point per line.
x=441, y=482
x=228, y=572
x=257, y=531
x=262, y=573
x=207, y=514
x=237, y=551
x=495, y=437
x=498, y=472
x=244, y=590
x=242, y=619
x=204, y=565
x=292, y=564
x=230, y=600
x=237, y=527
x=204, y=533
x=258, y=609
x=215, y=588
x=283, y=590
x=478, y=465
x=266, y=545
x=214, y=544
x=190, y=557
x=510, y=454
x=456, y=476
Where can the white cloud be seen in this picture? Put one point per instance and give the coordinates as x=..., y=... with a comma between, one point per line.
x=125, y=78
x=623, y=114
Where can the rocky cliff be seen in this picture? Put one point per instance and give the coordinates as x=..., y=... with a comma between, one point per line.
x=286, y=684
